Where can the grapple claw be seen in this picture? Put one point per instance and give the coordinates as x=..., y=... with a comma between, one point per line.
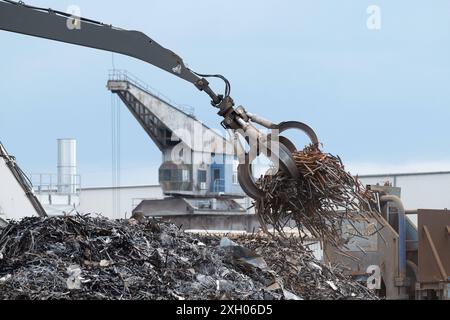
x=247, y=182
x=287, y=143
x=284, y=126
x=284, y=149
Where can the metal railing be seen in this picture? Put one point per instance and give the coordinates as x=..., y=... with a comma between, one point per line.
x=124, y=75
x=48, y=183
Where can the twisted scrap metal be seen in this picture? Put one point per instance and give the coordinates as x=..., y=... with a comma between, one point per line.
x=319, y=202
x=83, y=257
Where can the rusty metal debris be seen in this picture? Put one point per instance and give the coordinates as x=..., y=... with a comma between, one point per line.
x=82, y=257
x=300, y=273
x=318, y=202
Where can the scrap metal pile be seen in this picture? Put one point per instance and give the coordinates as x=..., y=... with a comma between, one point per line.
x=299, y=272
x=83, y=257
x=319, y=201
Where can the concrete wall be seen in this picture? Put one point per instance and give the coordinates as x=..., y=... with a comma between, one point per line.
x=101, y=200
x=14, y=204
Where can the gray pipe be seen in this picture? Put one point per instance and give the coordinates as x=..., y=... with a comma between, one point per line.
x=414, y=268
x=401, y=231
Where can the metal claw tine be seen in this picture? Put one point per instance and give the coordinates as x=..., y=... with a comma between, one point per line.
x=280, y=151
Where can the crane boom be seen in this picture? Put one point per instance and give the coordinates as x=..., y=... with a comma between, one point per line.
x=55, y=25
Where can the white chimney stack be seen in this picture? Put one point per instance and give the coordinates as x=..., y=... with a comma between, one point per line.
x=67, y=166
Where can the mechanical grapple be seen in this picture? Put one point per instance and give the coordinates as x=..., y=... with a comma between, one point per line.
x=284, y=156
x=274, y=145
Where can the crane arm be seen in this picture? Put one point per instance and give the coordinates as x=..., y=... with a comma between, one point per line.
x=60, y=26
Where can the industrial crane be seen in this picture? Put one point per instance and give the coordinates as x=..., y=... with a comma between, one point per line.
x=60, y=26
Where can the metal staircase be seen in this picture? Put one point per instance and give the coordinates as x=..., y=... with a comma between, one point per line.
x=120, y=82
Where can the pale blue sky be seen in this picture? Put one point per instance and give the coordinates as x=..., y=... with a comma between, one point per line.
x=379, y=99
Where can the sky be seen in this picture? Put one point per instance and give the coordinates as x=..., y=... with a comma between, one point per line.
x=378, y=98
